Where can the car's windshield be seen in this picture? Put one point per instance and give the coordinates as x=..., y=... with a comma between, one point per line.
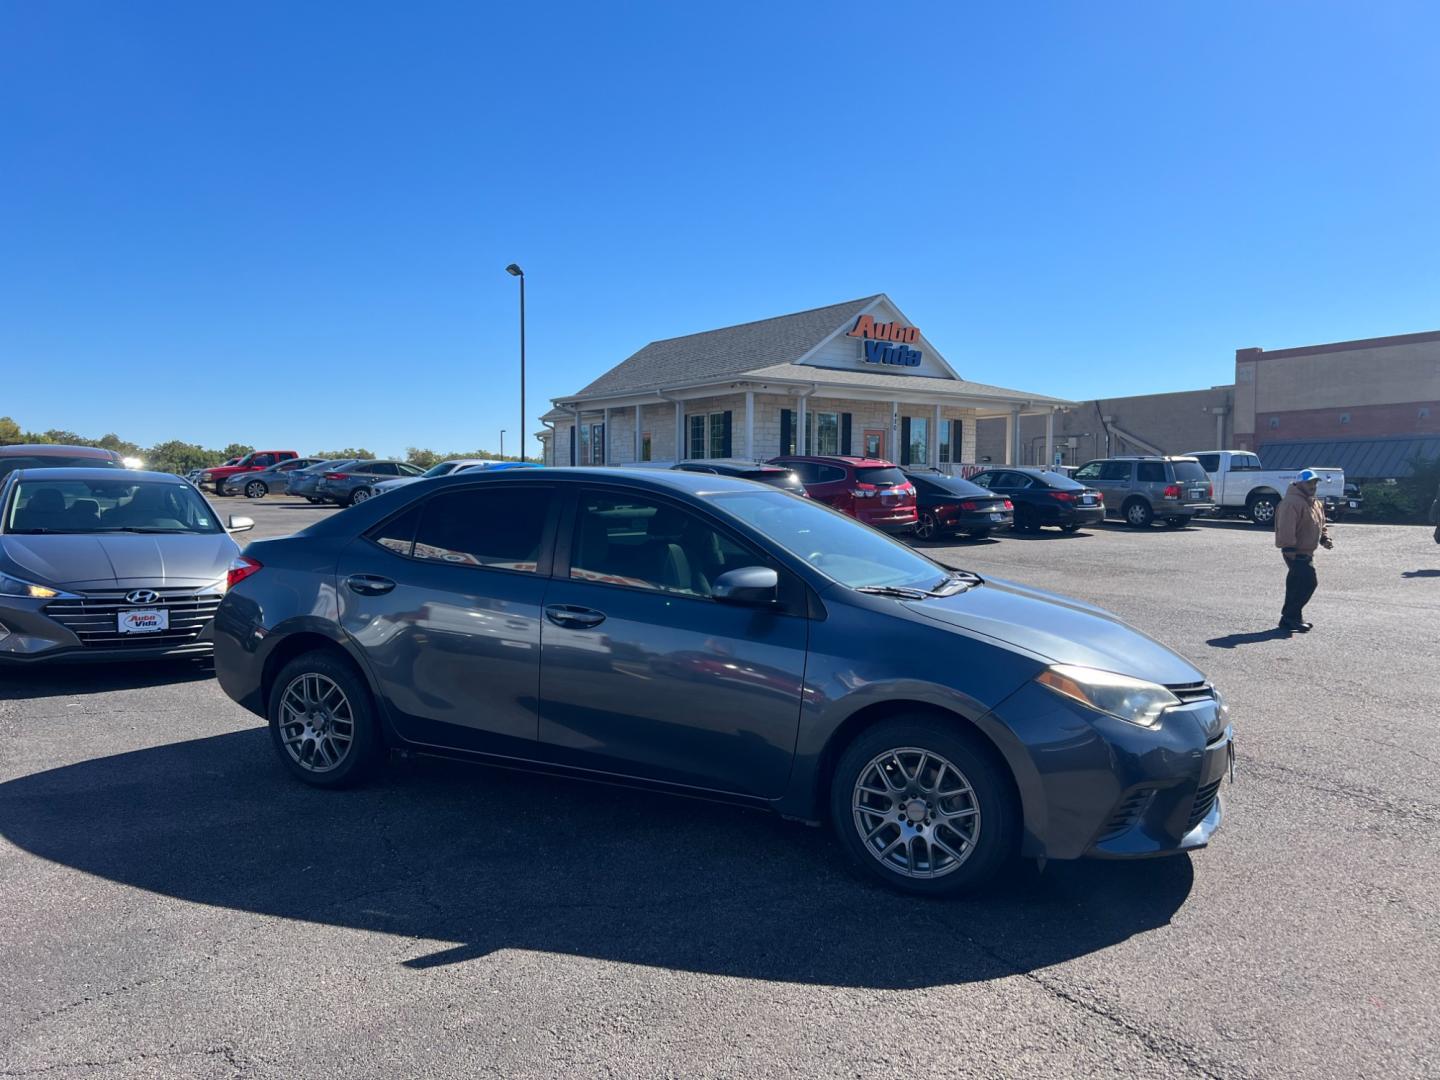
x=839, y=547
x=440, y=469
x=102, y=506
x=1186, y=471
x=46, y=461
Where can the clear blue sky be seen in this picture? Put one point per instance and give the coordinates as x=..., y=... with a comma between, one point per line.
x=287, y=223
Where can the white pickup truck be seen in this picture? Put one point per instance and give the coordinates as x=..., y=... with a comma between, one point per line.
x=1244, y=486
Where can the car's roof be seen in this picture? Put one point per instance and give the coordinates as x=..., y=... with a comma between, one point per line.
x=843, y=459
x=57, y=450
x=734, y=463
x=99, y=474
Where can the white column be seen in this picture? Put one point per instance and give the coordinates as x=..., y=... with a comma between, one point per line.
x=1012, y=424
x=679, y=431
x=800, y=443
x=1049, y=438
x=636, y=456
x=750, y=425
x=935, y=440
x=893, y=450
x=605, y=439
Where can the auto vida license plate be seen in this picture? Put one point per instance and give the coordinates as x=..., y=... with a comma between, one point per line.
x=142, y=621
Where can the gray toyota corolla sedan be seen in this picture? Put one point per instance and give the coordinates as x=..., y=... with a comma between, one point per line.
x=104, y=564
x=712, y=636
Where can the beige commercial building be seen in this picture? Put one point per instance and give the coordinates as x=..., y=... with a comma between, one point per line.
x=854, y=378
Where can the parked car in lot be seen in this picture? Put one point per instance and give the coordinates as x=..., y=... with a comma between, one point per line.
x=445, y=468
x=708, y=636
x=100, y=564
x=1352, y=502
x=354, y=483
x=1042, y=497
x=779, y=476
x=870, y=490
x=1142, y=489
x=272, y=481
x=306, y=482
x=56, y=456
x=214, y=478
x=949, y=505
x=1241, y=485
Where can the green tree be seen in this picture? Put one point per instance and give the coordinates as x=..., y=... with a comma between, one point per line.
x=341, y=455
x=422, y=458
x=178, y=457
x=123, y=447
x=9, y=432
x=236, y=449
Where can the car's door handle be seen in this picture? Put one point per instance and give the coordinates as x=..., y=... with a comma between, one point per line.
x=369, y=584
x=576, y=618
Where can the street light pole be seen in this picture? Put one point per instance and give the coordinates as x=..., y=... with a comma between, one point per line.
x=514, y=271
x=502, y=444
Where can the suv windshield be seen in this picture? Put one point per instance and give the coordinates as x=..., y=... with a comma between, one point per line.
x=880, y=476
x=96, y=506
x=1186, y=471
x=838, y=546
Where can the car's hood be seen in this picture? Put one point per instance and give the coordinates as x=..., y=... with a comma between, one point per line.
x=118, y=560
x=1063, y=630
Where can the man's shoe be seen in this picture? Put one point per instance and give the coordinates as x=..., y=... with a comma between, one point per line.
x=1294, y=626
x=1306, y=627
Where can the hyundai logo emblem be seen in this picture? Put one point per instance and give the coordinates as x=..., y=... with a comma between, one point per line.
x=142, y=596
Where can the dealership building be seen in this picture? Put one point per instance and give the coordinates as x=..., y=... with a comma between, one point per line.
x=852, y=378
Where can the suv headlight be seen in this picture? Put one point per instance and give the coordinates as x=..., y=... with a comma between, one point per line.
x=13, y=586
x=1133, y=700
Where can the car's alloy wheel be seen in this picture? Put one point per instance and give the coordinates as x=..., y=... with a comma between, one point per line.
x=924, y=804
x=255, y=490
x=925, y=528
x=317, y=723
x=1139, y=514
x=359, y=495
x=1262, y=511
x=916, y=813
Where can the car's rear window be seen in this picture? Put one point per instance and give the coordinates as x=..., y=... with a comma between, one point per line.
x=880, y=476
x=10, y=464
x=1186, y=471
x=785, y=481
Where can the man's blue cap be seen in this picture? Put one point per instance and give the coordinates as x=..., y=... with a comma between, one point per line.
x=1306, y=475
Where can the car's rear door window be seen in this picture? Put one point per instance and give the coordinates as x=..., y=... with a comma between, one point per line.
x=475, y=527
x=1150, y=472
x=1115, y=472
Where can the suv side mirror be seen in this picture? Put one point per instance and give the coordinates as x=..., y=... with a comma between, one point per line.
x=240, y=524
x=755, y=585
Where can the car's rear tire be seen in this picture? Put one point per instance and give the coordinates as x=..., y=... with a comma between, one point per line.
x=323, y=722
x=220, y=487
x=359, y=495
x=917, y=826
x=256, y=489
x=1262, y=510
x=1138, y=514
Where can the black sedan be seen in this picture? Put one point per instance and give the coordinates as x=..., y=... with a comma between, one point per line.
x=775, y=475
x=949, y=505
x=1042, y=497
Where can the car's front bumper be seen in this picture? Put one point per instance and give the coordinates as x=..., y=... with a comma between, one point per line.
x=34, y=631
x=1095, y=786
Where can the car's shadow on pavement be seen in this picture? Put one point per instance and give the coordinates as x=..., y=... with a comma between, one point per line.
x=469, y=860
x=63, y=680
x=1420, y=573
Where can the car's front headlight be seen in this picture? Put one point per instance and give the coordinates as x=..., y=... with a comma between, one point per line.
x=13, y=586
x=1132, y=700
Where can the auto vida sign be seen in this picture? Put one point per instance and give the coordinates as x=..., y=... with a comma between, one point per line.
x=887, y=342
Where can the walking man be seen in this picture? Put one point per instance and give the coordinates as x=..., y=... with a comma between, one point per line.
x=1299, y=530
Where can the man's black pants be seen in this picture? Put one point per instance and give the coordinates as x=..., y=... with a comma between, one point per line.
x=1300, y=585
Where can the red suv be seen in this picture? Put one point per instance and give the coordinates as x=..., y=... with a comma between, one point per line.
x=254, y=461
x=872, y=491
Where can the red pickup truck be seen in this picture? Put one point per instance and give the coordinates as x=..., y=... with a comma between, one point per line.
x=215, y=478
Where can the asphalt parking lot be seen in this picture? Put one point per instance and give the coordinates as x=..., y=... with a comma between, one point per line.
x=171, y=904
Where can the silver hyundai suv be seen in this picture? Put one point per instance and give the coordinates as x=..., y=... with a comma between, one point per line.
x=1141, y=489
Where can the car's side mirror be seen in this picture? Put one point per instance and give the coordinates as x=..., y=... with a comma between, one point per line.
x=240, y=524
x=755, y=585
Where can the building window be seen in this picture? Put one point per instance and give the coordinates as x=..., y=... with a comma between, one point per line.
x=946, y=454
x=582, y=444
x=707, y=435
x=822, y=433
x=1274, y=422
x=1345, y=418
x=597, y=444
x=919, y=440
x=645, y=446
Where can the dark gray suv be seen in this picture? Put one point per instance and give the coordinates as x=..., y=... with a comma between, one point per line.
x=709, y=636
x=1142, y=489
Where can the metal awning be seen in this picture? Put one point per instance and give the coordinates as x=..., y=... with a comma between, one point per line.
x=1362, y=459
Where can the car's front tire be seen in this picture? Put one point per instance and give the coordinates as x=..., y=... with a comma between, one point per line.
x=256, y=489
x=323, y=722
x=924, y=806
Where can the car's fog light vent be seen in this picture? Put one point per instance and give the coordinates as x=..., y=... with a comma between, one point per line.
x=1127, y=813
x=1204, y=800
